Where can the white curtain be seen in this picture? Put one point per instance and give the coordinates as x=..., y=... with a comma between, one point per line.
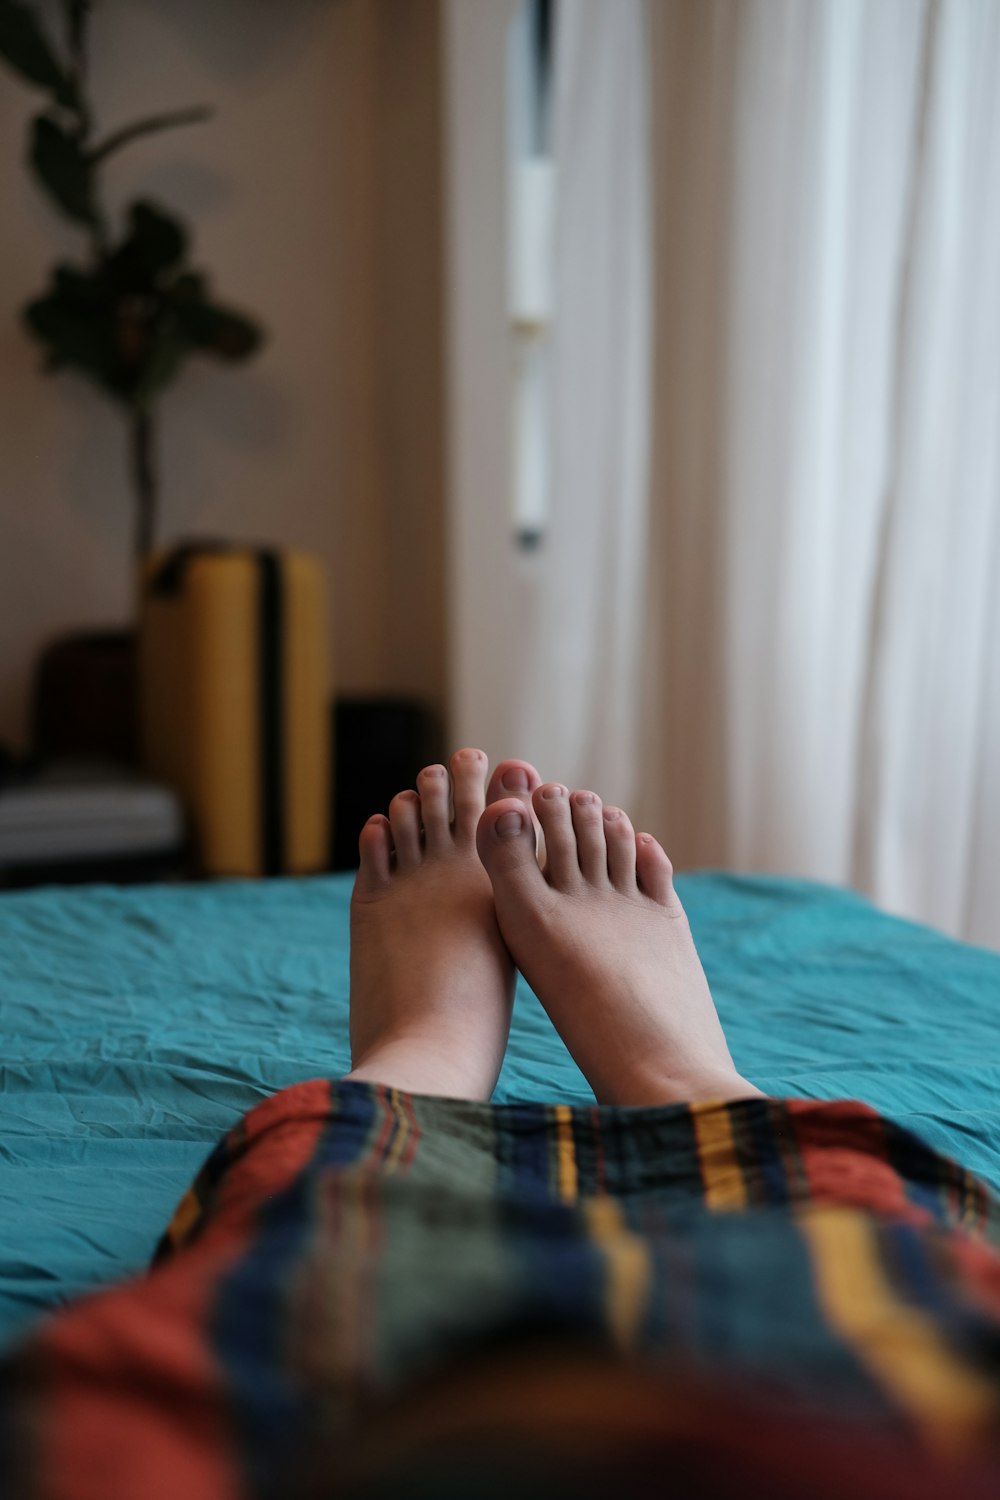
x=784, y=648
x=932, y=752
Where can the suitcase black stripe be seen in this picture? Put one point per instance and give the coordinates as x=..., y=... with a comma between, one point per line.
x=271, y=709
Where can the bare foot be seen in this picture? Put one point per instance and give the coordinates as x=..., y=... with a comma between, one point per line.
x=603, y=941
x=432, y=983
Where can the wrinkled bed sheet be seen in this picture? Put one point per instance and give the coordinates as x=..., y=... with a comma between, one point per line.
x=136, y=1025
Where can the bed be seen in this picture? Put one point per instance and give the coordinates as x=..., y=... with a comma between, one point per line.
x=139, y=1023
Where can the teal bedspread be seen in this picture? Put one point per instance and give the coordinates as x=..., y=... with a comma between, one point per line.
x=136, y=1025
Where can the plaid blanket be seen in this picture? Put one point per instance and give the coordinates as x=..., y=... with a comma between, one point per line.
x=370, y=1293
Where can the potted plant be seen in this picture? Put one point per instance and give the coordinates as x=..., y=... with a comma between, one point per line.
x=131, y=313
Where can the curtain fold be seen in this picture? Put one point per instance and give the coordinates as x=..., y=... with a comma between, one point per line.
x=933, y=754
x=813, y=111
x=824, y=563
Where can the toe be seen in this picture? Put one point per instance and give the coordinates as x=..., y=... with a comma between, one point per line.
x=435, y=793
x=505, y=839
x=404, y=820
x=515, y=778
x=620, y=837
x=551, y=804
x=653, y=870
x=591, y=848
x=375, y=849
x=512, y=778
x=468, y=781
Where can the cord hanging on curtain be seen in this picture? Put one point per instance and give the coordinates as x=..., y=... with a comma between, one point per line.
x=530, y=291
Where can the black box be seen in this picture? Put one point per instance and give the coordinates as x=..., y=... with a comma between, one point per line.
x=379, y=746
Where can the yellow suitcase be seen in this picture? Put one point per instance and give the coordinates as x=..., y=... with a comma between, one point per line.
x=234, y=703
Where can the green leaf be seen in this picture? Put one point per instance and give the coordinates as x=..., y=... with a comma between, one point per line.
x=187, y=289
x=127, y=335
x=168, y=352
x=63, y=168
x=25, y=47
x=74, y=323
x=153, y=248
x=213, y=329
x=156, y=242
x=82, y=288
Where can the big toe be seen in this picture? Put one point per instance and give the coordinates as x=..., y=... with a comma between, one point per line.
x=513, y=778
x=505, y=839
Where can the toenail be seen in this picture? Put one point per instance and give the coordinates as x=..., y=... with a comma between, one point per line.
x=470, y=755
x=553, y=791
x=509, y=825
x=584, y=798
x=409, y=796
x=612, y=814
x=515, y=780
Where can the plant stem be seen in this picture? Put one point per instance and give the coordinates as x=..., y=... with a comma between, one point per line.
x=194, y=116
x=77, y=21
x=144, y=481
x=79, y=15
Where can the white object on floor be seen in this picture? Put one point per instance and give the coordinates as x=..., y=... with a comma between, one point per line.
x=86, y=810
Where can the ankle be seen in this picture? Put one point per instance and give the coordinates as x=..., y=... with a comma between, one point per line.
x=722, y=1088
x=733, y=1086
x=655, y=1088
x=419, y=1067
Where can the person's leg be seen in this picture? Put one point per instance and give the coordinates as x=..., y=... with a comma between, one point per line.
x=432, y=983
x=603, y=941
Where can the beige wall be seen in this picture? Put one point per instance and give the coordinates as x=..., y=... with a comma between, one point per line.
x=315, y=194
